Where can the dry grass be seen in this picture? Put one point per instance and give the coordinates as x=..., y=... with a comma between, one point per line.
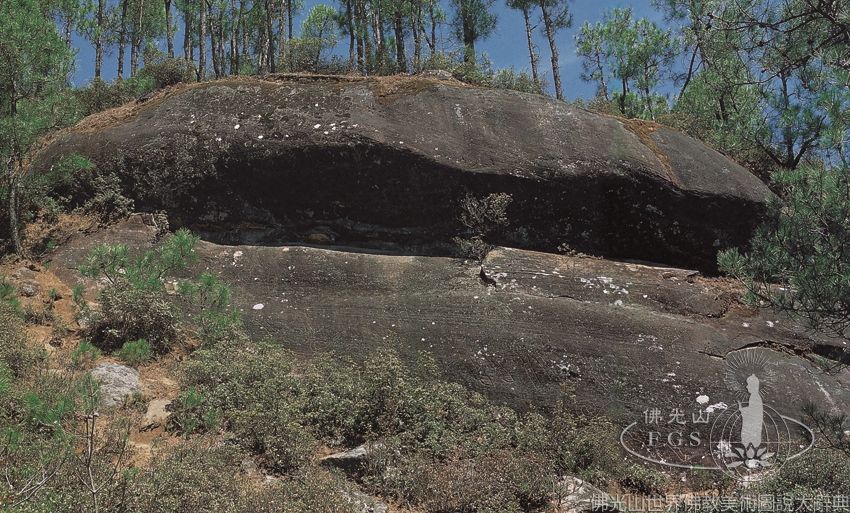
x=643, y=129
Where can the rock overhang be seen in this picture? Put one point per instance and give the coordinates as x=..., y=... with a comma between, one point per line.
x=389, y=159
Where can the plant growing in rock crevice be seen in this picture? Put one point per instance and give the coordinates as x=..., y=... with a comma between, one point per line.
x=482, y=219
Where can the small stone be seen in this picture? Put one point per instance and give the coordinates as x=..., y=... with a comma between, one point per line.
x=29, y=289
x=572, y=495
x=117, y=382
x=259, y=306
x=352, y=457
x=157, y=414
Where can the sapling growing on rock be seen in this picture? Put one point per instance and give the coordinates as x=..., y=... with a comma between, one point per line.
x=482, y=218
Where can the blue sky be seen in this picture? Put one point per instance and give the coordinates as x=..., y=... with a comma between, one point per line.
x=506, y=47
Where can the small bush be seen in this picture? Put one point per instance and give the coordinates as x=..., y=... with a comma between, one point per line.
x=196, y=476
x=441, y=446
x=136, y=353
x=216, y=321
x=820, y=472
x=9, y=297
x=131, y=314
x=84, y=355
x=135, y=305
x=100, y=95
x=189, y=415
x=164, y=72
x=516, y=81
x=106, y=200
x=46, y=194
x=316, y=491
x=499, y=481
x=482, y=219
x=15, y=355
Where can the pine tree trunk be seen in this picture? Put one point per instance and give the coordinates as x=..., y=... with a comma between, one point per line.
x=358, y=24
x=432, y=43
x=202, y=39
x=625, y=85
x=468, y=44
x=367, y=41
x=550, y=35
x=281, y=35
x=270, y=37
x=290, y=32
x=214, y=42
x=98, y=40
x=187, y=34
x=14, y=228
x=532, y=55
x=349, y=22
x=136, y=43
x=246, y=46
x=416, y=27
x=468, y=36
x=122, y=39
x=401, y=58
x=377, y=29
x=169, y=29
x=234, y=37
x=222, y=63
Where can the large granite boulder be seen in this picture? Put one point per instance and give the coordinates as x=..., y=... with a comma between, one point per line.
x=625, y=335
x=384, y=162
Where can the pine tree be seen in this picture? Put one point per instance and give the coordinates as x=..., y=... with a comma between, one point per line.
x=473, y=21
x=556, y=16
x=34, y=62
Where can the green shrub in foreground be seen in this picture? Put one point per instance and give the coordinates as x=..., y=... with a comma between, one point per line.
x=136, y=353
x=441, y=446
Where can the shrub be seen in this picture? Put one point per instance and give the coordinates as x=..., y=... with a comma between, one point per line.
x=15, y=355
x=507, y=78
x=216, y=321
x=46, y=194
x=819, y=471
x=164, y=72
x=135, y=305
x=284, y=444
x=100, y=95
x=196, y=476
x=146, y=272
x=442, y=447
x=499, y=481
x=106, y=200
x=128, y=313
x=481, y=72
x=84, y=355
x=482, y=219
x=9, y=297
x=135, y=353
x=316, y=491
x=190, y=415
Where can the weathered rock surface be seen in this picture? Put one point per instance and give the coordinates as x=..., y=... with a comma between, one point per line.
x=574, y=495
x=352, y=458
x=384, y=162
x=117, y=382
x=626, y=335
x=157, y=413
